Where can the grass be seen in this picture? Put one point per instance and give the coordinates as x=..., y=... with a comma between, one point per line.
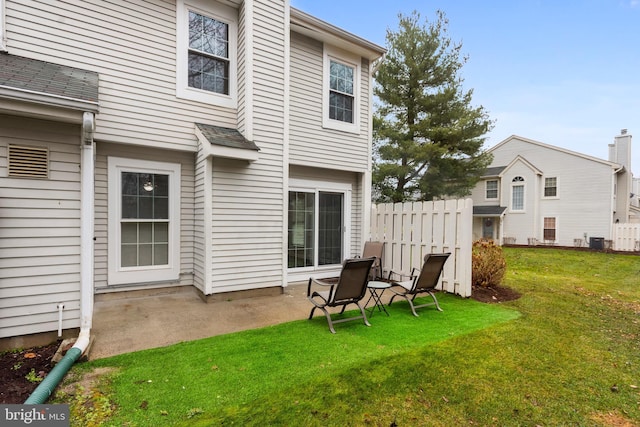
x=566, y=353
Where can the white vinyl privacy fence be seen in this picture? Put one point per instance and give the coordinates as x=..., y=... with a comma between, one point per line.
x=626, y=237
x=413, y=229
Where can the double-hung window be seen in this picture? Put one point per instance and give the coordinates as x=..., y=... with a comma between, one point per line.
x=491, y=189
x=341, y=101
x=549, y=229
x=206, y=52
x=551, y=187
x=341, y=90
x=144, y=221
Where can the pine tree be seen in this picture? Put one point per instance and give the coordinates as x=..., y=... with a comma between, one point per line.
x=428, y=139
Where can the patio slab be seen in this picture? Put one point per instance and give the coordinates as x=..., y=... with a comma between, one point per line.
x=126, y=324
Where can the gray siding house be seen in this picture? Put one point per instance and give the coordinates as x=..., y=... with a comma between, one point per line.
x=222, y=146
x=535, y=193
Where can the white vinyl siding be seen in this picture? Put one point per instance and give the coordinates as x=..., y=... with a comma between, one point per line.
x=40, y=231
x=585, y=205
x=132, y=45
x=247, y=200
x=2, y=27
x=310, y=143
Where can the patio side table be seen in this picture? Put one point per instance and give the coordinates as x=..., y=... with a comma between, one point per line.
x=376, y=289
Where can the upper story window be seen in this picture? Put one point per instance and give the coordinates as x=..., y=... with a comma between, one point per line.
x=341, y=100
x=341, y=90
x=206, y=52
x=491, y=191
x=551, y=187
x=517, y=194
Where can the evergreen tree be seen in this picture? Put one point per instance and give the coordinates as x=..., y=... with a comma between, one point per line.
x=427, y=137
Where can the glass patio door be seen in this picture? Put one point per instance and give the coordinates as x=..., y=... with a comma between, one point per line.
x=316, y=230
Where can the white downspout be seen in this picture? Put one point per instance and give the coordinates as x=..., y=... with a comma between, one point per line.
x=86, y=230
x=87, y=165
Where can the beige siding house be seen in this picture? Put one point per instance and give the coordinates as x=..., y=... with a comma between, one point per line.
x=535, y=193
x=222, y=146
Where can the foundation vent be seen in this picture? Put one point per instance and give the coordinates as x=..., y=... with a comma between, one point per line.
x=28, y=162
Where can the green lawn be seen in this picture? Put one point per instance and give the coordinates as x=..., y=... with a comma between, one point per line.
x=566, y=353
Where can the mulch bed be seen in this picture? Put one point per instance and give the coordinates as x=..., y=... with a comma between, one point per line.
x=15, y=368
x=493, y=294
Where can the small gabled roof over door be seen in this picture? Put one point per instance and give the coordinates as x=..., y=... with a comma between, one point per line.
x=226, y=142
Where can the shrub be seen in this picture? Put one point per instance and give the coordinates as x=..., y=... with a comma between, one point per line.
x=488, y=264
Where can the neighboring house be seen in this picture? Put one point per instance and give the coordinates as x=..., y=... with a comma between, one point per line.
x=535, y=193
x=223, y=146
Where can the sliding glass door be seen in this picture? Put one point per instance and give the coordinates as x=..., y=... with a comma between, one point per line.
x=316, y=229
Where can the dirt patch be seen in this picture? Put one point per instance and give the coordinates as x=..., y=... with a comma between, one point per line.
x=494, y=294
x=21, y=371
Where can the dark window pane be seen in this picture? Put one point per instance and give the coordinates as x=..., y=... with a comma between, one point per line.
x=129, y=206
x=161, y=208
x=129, y=183
x=145, y=207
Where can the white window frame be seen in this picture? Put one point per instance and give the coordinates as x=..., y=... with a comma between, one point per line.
x=524, y=195
x=118, y=275
x=221, y=13
x=334, y=54
x=544, y=187
x=486, y=189
x=316, y=187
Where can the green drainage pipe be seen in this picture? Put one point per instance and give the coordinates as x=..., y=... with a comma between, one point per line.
x=51, y=381
x=53, y=378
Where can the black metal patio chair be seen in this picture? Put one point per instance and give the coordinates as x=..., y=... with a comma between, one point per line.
x=421, y=281
x=349, y=289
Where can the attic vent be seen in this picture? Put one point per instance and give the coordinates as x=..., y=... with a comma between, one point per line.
x=28, y=162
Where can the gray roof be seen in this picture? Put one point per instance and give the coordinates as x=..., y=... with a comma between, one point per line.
x=17, y=72
x=493, y=171
x=227, y=137
x=488, y=210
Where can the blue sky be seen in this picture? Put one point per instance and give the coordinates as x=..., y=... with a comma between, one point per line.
x=563, y=72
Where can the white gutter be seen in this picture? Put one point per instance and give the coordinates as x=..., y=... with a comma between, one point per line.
x=26, y=95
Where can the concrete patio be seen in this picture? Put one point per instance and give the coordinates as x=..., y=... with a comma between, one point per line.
x=125, y=324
